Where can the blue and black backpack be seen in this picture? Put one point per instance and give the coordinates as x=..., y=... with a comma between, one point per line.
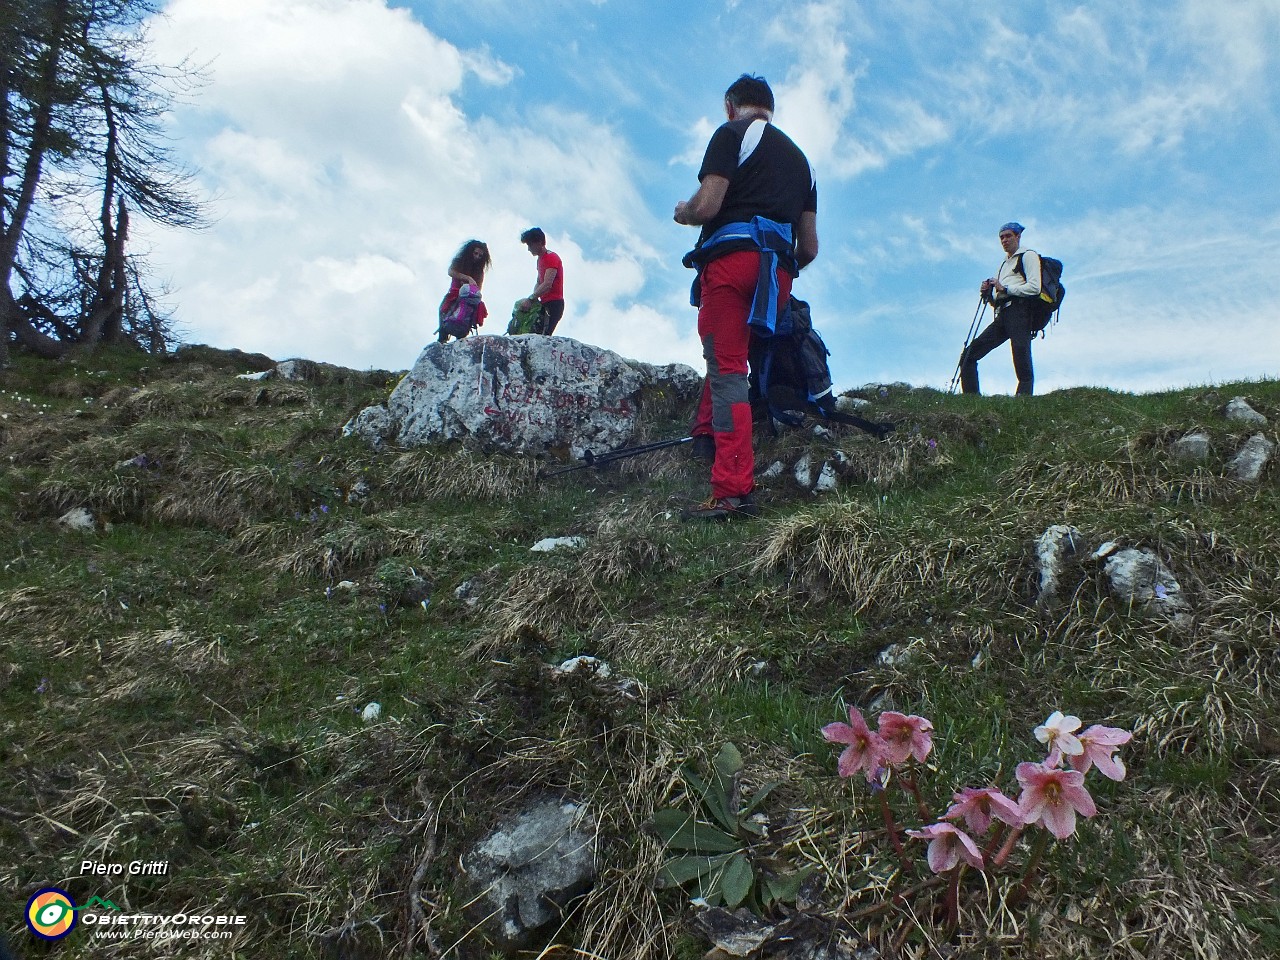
x=790, y=375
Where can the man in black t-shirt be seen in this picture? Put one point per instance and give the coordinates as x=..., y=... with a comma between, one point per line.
x=757, y=204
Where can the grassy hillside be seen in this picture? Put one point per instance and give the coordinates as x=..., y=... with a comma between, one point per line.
x=185, y=682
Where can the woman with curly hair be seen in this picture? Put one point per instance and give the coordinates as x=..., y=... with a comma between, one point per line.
x=462, y=310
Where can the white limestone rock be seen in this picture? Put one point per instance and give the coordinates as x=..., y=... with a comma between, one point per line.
x=549, y=544
x=804, y=472
x=853, y=405
x=373, y=425
x=530, y=868
x=526, y=394
x=826, y=481
x=592, y=666
x=78, y=519
x=1139, y=578
x=1056, y=546
x=1252, y=458
x=1240, y=411
x=1194, y=446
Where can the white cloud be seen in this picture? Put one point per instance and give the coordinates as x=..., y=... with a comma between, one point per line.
x=347, y=174
x=350, y=150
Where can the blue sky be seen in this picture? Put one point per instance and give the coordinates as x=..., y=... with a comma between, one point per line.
x=348, y=147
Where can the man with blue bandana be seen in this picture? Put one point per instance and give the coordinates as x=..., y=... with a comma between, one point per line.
x=1012, y=291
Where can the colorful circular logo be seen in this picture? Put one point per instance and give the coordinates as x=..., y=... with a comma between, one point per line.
x=51, y=913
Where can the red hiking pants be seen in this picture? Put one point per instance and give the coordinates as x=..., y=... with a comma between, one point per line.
x=728, y=286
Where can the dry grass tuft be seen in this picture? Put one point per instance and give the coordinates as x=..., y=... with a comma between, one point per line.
x=263, y=395
x=22, y=604
x=1131, y=475
x=117, y=495
x=620, y=551
x=622, y=917
x=338, y=548
x=545, y=601
x=227, y=499
x=164, y=402
x=674, y=463
x=1165, y=910
x=39, y=441
x=541, y=602
x=461, y=475
x=57, y=615
x=845, y=548
x=684, y=653
x=883, y=464
x=1188, y=908
x=171, y=651
x=74, y=388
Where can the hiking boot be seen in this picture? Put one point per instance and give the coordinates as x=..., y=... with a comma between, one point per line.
x=723, y=508
x=704, y=448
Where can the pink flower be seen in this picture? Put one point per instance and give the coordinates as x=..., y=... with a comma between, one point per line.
x=1100, y=744
x=905, y=736
x=865, y=750
x=947, y=845
x=1053, y=797
x=978, y=807
x=1059, y=733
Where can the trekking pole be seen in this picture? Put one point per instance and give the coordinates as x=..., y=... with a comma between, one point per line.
x=973, y=328
x=590, y=459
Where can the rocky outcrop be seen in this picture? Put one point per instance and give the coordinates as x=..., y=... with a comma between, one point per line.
x=525, y=394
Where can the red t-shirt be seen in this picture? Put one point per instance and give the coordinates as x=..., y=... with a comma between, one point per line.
x=551, y=261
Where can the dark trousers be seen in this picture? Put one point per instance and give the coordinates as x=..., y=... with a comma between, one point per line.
x=1012, y=323
x=552, y=311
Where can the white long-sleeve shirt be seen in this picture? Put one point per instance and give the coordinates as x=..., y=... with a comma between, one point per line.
x=1012, y=281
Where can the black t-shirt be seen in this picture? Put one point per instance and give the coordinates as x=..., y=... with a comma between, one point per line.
x=769, y=176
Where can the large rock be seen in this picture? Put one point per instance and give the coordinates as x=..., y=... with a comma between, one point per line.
x=1194, y=446
x=528, y=870
x=1240, y=411
x=373, y=425
x=1252, y=458
x=1139, y=578
x=525, y=394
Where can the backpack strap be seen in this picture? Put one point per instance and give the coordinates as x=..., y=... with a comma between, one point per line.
x=1018, y=268
x=763, y=383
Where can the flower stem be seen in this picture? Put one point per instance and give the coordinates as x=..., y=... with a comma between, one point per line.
x=1037, y=854
x=953, y=900
x=1009, y=841
x=910, y=780
x=994, y=842
x=892, y=826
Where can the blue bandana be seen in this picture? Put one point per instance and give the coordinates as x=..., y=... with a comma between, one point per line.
x=1015, y=227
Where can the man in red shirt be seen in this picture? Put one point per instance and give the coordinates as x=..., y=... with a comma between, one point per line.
x=757, y=204
x=550, y=286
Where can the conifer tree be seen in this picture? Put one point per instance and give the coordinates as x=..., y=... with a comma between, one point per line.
x=81, y=145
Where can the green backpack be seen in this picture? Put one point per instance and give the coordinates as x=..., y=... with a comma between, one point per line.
x=523, y=321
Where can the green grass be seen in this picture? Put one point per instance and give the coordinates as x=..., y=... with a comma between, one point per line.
x=185, y=683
